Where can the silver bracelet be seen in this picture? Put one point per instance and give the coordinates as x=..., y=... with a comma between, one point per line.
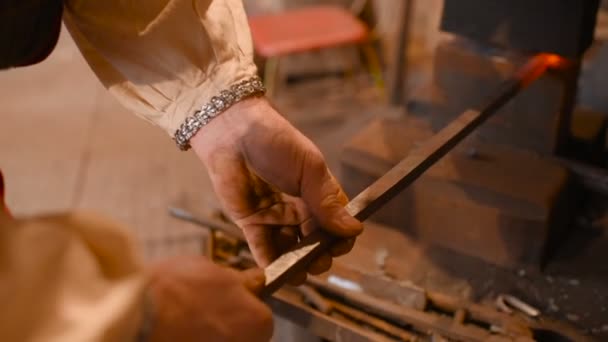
x=215, y=106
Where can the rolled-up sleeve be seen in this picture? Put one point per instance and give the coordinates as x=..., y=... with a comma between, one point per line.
x=163, y=59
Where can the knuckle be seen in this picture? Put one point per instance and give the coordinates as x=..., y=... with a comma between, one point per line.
x=314, y=159
x=331, y=198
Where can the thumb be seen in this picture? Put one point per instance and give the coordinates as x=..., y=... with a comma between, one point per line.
x=326, y=200
x=253, y=279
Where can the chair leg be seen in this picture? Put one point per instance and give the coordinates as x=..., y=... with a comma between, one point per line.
x=373, y=63
x=271, y=72
x=349, y=73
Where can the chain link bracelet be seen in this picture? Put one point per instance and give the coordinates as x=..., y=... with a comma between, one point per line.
x=215, y=106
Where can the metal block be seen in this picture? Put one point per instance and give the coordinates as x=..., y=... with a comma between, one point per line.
x=493, y=202
x=594, y=79
x=465, y=73
x=588, y=136
x=565, y=27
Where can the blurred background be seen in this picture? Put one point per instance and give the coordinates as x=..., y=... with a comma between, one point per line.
x=65, y=143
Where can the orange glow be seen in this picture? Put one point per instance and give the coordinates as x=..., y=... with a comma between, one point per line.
x=554, y=61
x=539, y=65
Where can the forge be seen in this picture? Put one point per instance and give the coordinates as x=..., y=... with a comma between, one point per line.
x=508, y=193
x=487, y=169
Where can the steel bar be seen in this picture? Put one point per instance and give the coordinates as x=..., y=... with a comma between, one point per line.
x=374, y=322
x=326, y=306
x=288, y=305
x=403, y=174
x=209, y=223
x=312, y=297
x=420, y=320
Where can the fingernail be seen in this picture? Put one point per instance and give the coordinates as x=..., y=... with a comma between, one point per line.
x=254, y=279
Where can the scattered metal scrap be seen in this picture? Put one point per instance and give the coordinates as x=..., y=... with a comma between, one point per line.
x=337, y=312
x=506, y=303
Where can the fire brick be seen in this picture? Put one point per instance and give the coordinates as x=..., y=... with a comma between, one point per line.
x=477, y=200
x=466, y=73
x=564, y=27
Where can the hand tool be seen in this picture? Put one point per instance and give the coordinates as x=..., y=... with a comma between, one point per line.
x=404, y=173
x=314, y=298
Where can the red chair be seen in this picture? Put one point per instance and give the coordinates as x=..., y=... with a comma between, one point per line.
x=308, y=29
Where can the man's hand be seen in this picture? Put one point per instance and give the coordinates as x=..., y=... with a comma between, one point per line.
x=194, y=300
x=273, y=182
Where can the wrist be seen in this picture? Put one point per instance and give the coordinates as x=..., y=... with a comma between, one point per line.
x=215, y=107
x=226, y=131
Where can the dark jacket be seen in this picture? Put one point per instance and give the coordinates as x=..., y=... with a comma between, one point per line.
x=29, y=30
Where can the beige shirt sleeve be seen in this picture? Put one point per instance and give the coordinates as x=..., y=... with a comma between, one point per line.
x=71, y=277
x=163, y=59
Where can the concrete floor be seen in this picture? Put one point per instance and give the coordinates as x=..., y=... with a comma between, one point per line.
x=66, y=143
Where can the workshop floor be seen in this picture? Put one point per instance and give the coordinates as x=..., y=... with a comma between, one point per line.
x=65, y=143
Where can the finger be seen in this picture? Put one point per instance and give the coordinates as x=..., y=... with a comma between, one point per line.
x=242, y=194
x=267, y=243
x=261, y=241
x=309, y=226
x=285, y=238
x=284, y=211
x=297, y=279
x=342, y=247
x=320, y=265
x=325, y=199
x=231, y=182
x=253, y=279
x=309, y=177
x=273, y=230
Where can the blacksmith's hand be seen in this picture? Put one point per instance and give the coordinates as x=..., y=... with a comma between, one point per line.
x=192, y=299
x=273, y=182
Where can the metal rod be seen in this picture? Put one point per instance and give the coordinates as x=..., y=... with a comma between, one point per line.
x=209, y=223
x=402, y=175
x=391, y=312
x=288, y=305
x=374, y=322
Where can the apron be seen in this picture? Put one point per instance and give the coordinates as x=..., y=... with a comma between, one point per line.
x=29, y=30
